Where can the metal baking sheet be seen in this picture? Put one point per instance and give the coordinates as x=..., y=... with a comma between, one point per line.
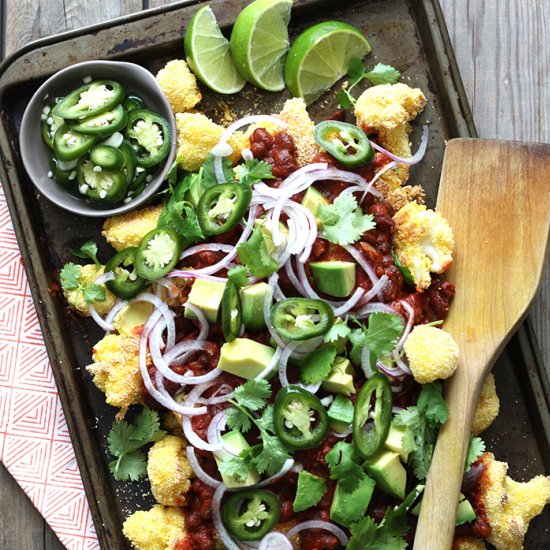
x=409, y=34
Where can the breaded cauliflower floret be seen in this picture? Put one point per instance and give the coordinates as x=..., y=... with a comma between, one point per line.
x=468, y=543
x=300, y=128
x=397, y=141
x=116, y=369
x=197, y=135
x=423, y=242
x=160, y=528
x=169, y=471
x=179, y=86
x=128, y=229
x=432, y=353
x=75, y=298
x=388, y=106
x=487, y=406
x=510, y=505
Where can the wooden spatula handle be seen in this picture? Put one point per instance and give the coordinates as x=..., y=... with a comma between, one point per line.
x=436, y=524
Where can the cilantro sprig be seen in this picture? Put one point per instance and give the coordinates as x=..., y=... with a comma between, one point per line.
x=254, y=254
x=125, y=441
x=253, y=171
x=71, y=279
x=344, y=464
x=476, y=448
x=379, y=74
x=316, y=365
x=88, y=250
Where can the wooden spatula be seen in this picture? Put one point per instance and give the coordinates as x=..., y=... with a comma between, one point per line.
x=496, y=196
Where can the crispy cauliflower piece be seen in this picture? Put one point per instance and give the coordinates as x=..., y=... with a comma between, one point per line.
x=197, y=135
x=487, y=406
x=115, y=369
x=76, y=299
x=423, y=242
x=169, y=471
x=388, y=106
x=128, y=229
x=468, y=543
x=510, y=505
x=432, y=353
x=397, y=141
x=179, y=86
x=160, y=528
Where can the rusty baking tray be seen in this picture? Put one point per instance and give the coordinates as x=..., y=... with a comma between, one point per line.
x=411, y=35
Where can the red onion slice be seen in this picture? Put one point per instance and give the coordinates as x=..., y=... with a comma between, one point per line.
x=283, y=364
x=268, y=299
x=101, y=280
x=272, y=364
x=206, y=247
x=224, y=536
x=367, y=268
x=194, y=439
x=197, y=468
x=115, y=310
x=275, y=541
x=350, y=303
x=376, y=288
x=318, y=524
x=374, y=307
x=417, y=157
x=410, y=322
x=165, y=311
x=191, y=274
x=392, y=372
x=365, y=362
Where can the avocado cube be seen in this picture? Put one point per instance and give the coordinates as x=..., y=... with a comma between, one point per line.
x=334, y=278
x=133, y=315
x=245, y=358
x=340, y=414
x=235, y=442
x=340, y=379
x=207, y=296
x=349, y=507
x=268, y=236
x=252, y=305
x=388, y=472
x=394, y=441
x=312, y=200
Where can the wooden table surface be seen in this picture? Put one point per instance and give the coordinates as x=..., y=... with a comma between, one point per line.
x=503, y=51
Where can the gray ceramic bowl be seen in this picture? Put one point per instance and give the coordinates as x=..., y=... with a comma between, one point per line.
x=35, y=154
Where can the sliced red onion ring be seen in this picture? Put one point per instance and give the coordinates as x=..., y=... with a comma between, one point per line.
x=370, y=189
x=318, y=524
x=374, y=307
x=165, y=311
x=401, y=364
x=268, y=298
x=216, y=427
x=206, y=247
x=197, y=468
x=221, y=395
x=192, y=274
x=275, y=541
x=350, y=303
x=367, y=268
x=247, y=154
x=345, y=433
x=365, y=362
x=283, y=364
x=101, y=280
x=224, y=536
x=115, y=310
x=272, y=364
x=376, y=288
x=203, y=321
x=410, y=321
x=194, y=439
x=417, y=157
x=393, y=372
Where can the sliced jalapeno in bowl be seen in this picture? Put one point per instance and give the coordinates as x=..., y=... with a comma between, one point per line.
x=301, y=318
x=152, y=135
x=127, y=283
x=372, y=415
x=157, y=253
x=231, y=311
x=106, y=186
x=69, y=144
x=130, y=162
x=222, y=206
x=132, y=102
x=107, y=157
x=63, y=177
x=103, y=124
x=301, y=421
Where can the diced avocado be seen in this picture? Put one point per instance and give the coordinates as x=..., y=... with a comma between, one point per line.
x=334, y=278
x=388, y=472
x=133, y=315
x=340, y=414
x=236, y=443
x=464, y=512
x=309, y=492
x=349, y=507
x=394, y=441
x=312, y=199
x=340, y=379
x=245, y=358
x=252, y=305
x=267, y=234
x=207, y=296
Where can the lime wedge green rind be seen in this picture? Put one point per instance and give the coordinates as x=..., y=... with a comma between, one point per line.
x=259, y=42
x=208, y=55
x=320, y=56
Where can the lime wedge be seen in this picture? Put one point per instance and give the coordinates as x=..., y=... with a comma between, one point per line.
x=320, y=56
x=208, y=55
x=259, y=42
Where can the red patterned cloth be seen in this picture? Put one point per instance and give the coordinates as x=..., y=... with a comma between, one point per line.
x=34, y=443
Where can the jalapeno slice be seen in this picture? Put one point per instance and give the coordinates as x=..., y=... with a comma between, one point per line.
x=49, y=127
x=250, y=515
x=222, y=206
x=151, y=133
x=107, y=157
x=132, y=102
x=126, y=283
x=372, y=416
x=301, y=318
x=301, y=421
x=69, y=144
x=231, y=312
x=130, y=162
x=157, y=253
x=90, y=99
x=108, y=186
x=348, y=144
x=104, y=124
x=62, y=177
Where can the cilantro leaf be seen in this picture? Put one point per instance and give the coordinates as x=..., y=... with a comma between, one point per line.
x=344, y=466
x=253, y=394
x=131, y=466
x=94, y=293
x=337, y=331
x=172, y=175
x=208, y=174
x=316, y=366
x=238, y=276
x=147, y=427
x=253, y=171
x=383, y=74
x=343, y=220
x=475, y=449
x=236, y=466
x=356, y=71
x=384, y=329
x=88, y=250
x=254, y=254
x=272, y=456
x=345, y=99
x=432, y=403
x=238, y=420
x=309, y=491
x=266, y=421
x=361, y=531
x=70, y=276
x=358, y=340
